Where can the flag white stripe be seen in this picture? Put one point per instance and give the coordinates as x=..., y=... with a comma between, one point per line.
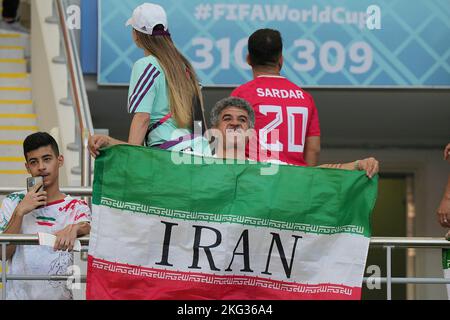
x=137, y=239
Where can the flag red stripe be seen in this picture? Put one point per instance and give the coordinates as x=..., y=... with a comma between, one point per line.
x=130, y=283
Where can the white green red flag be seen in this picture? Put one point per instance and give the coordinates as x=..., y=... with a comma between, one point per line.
x=224, y=231
x=446, y=267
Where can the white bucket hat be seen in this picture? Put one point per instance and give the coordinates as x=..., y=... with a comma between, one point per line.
x=146, y=17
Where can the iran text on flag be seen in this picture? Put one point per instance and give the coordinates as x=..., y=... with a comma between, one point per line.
x=446, y=266
x=164, y=230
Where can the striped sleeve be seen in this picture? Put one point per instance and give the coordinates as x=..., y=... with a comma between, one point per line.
x=142, y=90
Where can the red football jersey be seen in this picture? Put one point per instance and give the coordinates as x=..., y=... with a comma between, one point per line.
x=285, y=115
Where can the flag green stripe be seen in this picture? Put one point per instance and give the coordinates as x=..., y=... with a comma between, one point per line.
x=446, y=258
x=310, y=196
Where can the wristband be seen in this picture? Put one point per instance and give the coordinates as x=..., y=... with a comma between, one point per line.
x=357, y=165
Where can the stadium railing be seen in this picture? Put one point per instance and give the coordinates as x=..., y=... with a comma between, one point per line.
x=388, y=244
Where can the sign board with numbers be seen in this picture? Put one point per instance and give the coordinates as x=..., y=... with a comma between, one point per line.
x=326, y=43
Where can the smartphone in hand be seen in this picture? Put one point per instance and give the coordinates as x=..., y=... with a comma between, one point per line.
x=32, y=181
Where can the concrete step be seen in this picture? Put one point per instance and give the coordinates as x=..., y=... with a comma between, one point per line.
x=17, y=118
x=11, y=150
x=8, y=38
x=14, y=164
x=10, y=119
x=16, y=132
x=15, y=80
x=13, y=65
x=17, y=108
x=12, y=52
x=14, y=39
x=15, y=93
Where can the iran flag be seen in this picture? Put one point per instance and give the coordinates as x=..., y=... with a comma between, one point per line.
x=203, y=229
x=446, y=267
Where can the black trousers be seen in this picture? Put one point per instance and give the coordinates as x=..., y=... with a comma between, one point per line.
x=10, y=8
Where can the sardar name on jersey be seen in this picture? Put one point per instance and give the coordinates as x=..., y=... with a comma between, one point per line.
x=285, y=115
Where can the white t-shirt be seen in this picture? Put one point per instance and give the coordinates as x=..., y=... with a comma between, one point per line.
x=42, y=260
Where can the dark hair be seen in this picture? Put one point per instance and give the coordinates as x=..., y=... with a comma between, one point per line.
x=265, y=47
x=37, y=140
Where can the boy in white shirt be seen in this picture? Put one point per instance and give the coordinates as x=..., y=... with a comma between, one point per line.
x=43, y=209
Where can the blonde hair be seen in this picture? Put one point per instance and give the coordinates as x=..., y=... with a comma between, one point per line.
x=181, y=79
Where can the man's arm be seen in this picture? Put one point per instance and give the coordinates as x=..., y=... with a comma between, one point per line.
x=443, y=212
x=65, y=238
x=312, y=150
x=31, y=201
x=370, y=165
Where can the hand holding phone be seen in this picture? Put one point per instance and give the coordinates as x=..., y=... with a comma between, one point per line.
x=35, y=198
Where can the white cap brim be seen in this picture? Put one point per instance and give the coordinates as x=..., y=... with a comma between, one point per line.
x=129, y=22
